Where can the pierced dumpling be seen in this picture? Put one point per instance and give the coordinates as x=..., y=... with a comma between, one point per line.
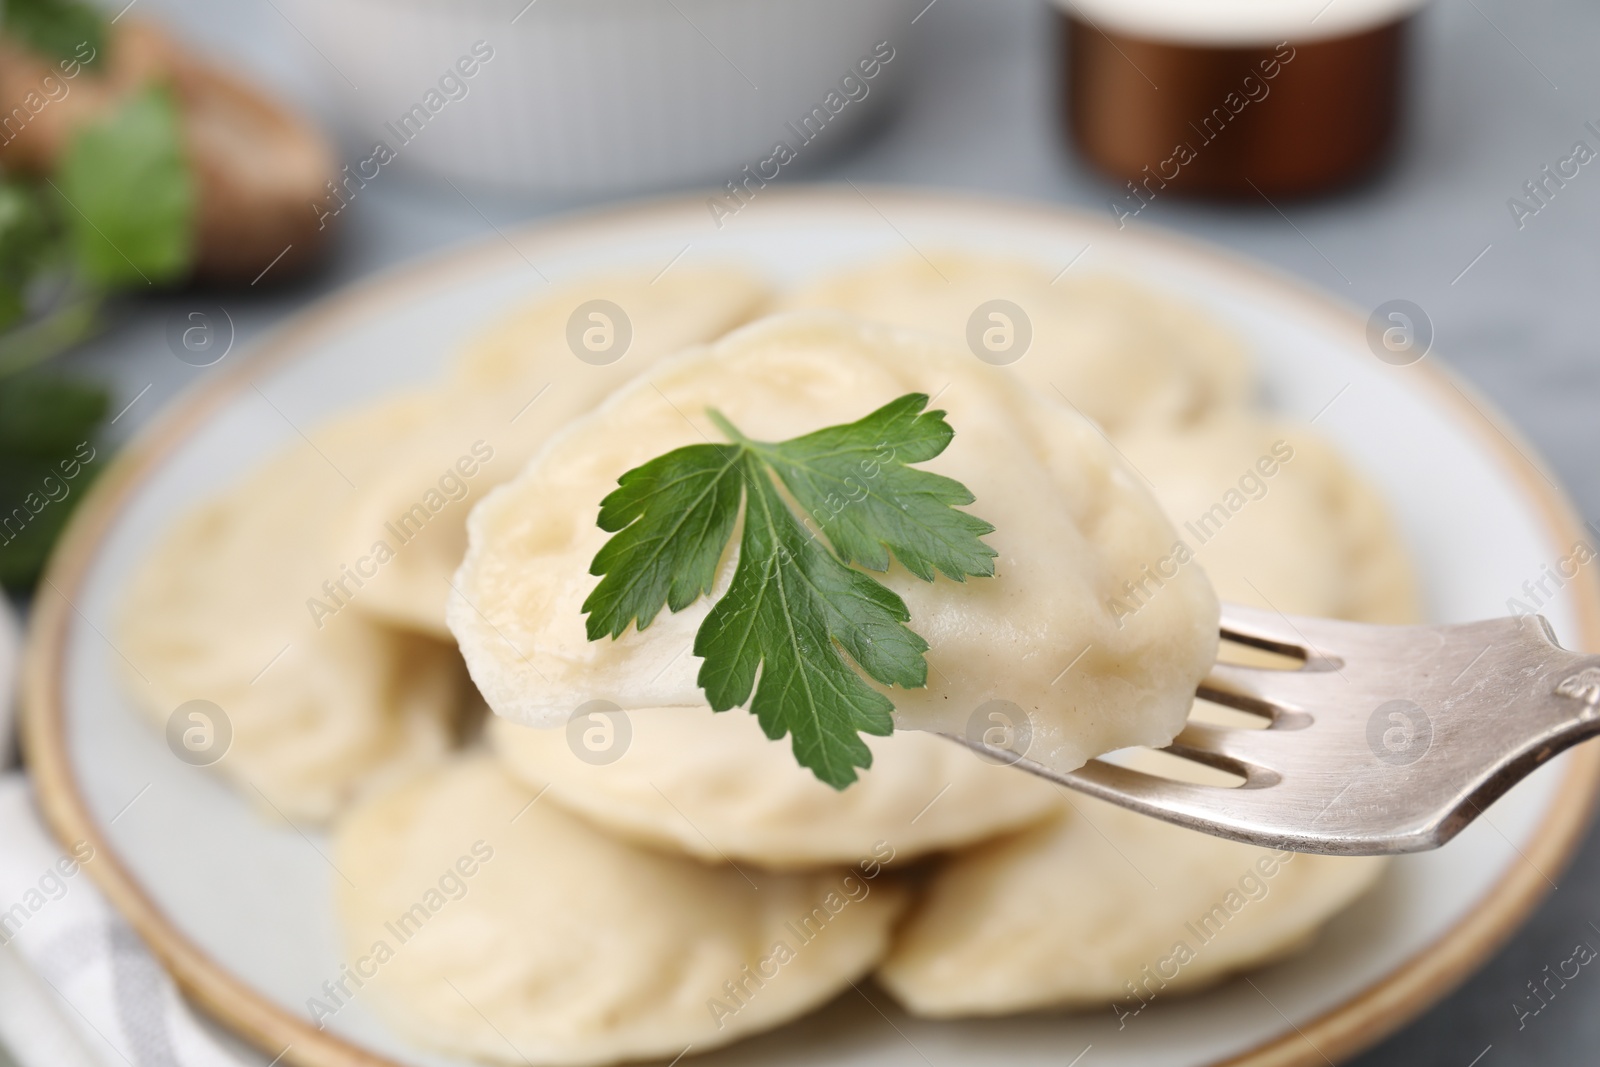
x=492, y=924
x=713, y=786
x=1073, y=524
x=1120, y=353
x=241, y=604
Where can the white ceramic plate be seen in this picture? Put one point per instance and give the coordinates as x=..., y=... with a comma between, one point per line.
x=241, y=909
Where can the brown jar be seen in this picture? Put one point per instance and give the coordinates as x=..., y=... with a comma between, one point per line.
x=1233, y=98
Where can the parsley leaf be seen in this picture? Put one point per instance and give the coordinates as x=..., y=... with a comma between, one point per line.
x=26, y=246
x=55, y=28
x=45, y=417
x=896, y=508
x=48, y=428
x=131, y=196
x=795, y=609
x=44, y=308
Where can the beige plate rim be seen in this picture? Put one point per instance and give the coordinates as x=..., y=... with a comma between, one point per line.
x=1348, y=1027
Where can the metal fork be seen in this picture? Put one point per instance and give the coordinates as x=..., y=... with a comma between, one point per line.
x=1387, y=739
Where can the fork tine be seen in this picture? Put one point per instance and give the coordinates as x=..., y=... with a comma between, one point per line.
x=1254, y=816
x=1247, y=753
x=1184, y=803
x=1263, y=629
x=1262, y=691
x=1317, y=642
x=1243, y=688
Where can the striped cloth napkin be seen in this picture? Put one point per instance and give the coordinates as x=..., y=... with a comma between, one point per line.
x=77, y=986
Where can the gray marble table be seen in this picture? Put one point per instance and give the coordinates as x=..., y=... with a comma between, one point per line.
x=1501, y=89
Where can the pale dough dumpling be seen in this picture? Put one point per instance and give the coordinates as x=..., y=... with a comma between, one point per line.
x=1072, y=524
x=490, y=923
x=403, y=532
x=517, y=384
x=1121, y=353
x=713, y=786
x=1279, y=520
x=231, y=607
x=664, y=312
x=1105, y=906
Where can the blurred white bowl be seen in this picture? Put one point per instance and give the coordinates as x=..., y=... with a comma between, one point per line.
x=589, y=96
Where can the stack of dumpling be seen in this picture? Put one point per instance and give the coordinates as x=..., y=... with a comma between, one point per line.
x=307, y=601
x=612, y=872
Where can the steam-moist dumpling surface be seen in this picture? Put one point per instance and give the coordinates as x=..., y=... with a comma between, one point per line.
x=661, y=312
x=233, y=606
x=714, y=786
x=1068, y=913
x=1279, y=520
x=1123, y=354
x=529, y=936
x=1072, y=524
x=514, y=387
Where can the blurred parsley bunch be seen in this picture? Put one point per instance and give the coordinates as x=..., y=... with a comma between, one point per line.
x=48, y=457
x=117, y=213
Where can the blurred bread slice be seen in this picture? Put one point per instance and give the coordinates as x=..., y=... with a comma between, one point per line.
x=260, y=169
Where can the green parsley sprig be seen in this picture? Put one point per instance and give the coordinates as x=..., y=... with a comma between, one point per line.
x=117, y=210
x=799, y=625
x=49, y=447
x=55, y=28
